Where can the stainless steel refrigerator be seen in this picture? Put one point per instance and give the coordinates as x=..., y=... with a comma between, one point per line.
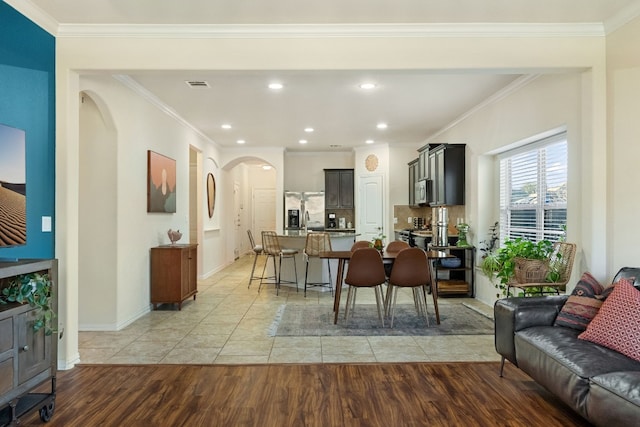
x=309, y=204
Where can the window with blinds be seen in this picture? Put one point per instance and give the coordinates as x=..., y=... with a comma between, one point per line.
x=533, y=190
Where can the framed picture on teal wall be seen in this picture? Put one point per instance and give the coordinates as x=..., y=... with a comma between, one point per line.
x=13, y=187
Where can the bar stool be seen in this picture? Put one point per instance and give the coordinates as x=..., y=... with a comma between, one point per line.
x=313, y=245
x=271, y=247
x=257, y=251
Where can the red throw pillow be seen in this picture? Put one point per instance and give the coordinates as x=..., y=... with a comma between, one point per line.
x=617, y=324
x=582, y=305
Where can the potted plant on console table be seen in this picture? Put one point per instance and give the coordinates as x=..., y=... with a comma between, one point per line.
x=33, y=289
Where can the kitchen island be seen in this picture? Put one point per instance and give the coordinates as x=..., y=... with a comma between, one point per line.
x=318, y=271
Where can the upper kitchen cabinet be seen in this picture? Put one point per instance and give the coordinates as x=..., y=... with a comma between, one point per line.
x=413, y=179
x=447, y=170
x=423, y=163
x=338, y=188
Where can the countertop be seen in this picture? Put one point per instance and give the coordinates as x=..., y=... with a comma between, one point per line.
x=335, y=232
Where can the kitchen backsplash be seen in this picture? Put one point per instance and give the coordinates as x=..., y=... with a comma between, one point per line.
x=402, y=212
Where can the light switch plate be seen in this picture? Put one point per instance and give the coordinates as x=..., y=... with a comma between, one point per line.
x=409, y=220
x=46, y=224
x=395, y=219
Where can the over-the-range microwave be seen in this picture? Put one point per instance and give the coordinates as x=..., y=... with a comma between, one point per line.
x=423, y=192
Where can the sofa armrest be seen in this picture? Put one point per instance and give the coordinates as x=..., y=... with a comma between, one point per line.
x=514, y=314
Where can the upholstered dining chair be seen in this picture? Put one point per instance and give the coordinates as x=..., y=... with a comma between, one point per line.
x=273, y=250
x=411, y=269
x=359, y=244
x=365, y=271
x=257, y=251
x=314, y=244
x=394, y=246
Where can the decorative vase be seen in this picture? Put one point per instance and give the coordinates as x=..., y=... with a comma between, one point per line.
x=174, y=236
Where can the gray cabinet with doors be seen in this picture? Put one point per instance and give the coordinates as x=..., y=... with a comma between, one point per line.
x=447, y=172
x=338, y=188
x=413, y=179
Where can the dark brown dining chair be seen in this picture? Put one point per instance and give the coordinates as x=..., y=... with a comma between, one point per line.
x=314, y=244
x=271, y=247
x=359, y=244
x=410, y=270
x=365, y=271
x=257, y=251
x=393, y=247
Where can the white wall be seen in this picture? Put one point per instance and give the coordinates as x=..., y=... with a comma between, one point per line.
x=542, y=104
x=122, y=247
x=623, y=75
x=305, y=171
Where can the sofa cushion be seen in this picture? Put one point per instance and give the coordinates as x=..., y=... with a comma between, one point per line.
x=616, y=390
x=617, y=324
x=582, y=305
x=581, y=357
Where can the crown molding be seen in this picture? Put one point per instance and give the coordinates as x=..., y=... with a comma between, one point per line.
x=623, y=17
x=155, y=101
x=332, y=31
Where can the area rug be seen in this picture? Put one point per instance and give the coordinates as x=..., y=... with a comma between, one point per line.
x=317, y=320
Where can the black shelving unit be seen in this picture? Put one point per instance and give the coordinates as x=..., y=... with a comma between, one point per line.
x=459, y=280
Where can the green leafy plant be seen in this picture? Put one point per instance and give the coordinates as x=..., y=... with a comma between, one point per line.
x=377, y=242
x=502, y=263
x=33, y=289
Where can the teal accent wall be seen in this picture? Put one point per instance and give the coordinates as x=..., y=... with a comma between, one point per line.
x=27, y=101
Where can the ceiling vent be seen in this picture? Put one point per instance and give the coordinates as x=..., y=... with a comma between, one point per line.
x=197, y=84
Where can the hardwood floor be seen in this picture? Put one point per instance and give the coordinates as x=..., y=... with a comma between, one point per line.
x=395, y=394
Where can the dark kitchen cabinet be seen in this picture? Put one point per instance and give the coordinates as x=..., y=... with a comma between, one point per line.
x=413, y=179
x=338, y=188
x=423, y=163
x=447, y=171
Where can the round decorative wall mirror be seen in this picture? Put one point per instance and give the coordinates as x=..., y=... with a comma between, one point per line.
x=211, y=193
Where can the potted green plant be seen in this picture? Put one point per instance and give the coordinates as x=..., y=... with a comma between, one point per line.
x=377, y=242
x=33, y=289
x=503, y=262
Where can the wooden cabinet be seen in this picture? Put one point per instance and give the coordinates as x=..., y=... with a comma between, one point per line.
x=338, y=189
x=456, y=280
x=447, y=172
x=28, y=358
x=173, y=274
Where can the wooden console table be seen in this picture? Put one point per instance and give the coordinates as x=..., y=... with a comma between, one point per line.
x=173, y=274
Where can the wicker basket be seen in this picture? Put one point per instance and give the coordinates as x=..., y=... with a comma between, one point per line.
x=530, y=270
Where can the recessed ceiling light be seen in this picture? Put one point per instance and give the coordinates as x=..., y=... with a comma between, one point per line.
x=367, y=86
x=275, y=86
x=226, y=126
x=266, y=167
x=308, y=130
x=241, y=141
x=303, y=141
x=369, y=141
x=381, y=125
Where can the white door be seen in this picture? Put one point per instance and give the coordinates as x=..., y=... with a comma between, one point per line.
x=371, y=207
x=264, y=212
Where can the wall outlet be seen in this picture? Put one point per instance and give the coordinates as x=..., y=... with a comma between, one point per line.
x=395, y=219
x=409, y=220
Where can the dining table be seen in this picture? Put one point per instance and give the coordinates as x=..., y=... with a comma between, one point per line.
x=344, y=256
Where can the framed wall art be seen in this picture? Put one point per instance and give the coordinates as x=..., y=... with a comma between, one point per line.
x=211, y=193
x=13, y=187
x=161, y=183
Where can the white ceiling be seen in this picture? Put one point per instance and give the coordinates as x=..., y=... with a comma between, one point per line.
x=415, y=104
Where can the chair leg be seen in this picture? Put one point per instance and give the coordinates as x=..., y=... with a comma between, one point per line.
x=346, y=309
x=501, y=366
x=253, y=269
x=393, y=307
x=306, y=275
x=379, y=303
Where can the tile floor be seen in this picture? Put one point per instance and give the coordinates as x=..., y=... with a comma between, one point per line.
x=228, y=323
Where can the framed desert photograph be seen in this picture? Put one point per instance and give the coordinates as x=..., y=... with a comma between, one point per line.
x=161, y=183
x=13, y=187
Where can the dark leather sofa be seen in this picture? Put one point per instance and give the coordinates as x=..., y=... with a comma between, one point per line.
x=600, y=384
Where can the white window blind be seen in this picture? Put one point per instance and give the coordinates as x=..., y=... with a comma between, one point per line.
x=533, y=190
